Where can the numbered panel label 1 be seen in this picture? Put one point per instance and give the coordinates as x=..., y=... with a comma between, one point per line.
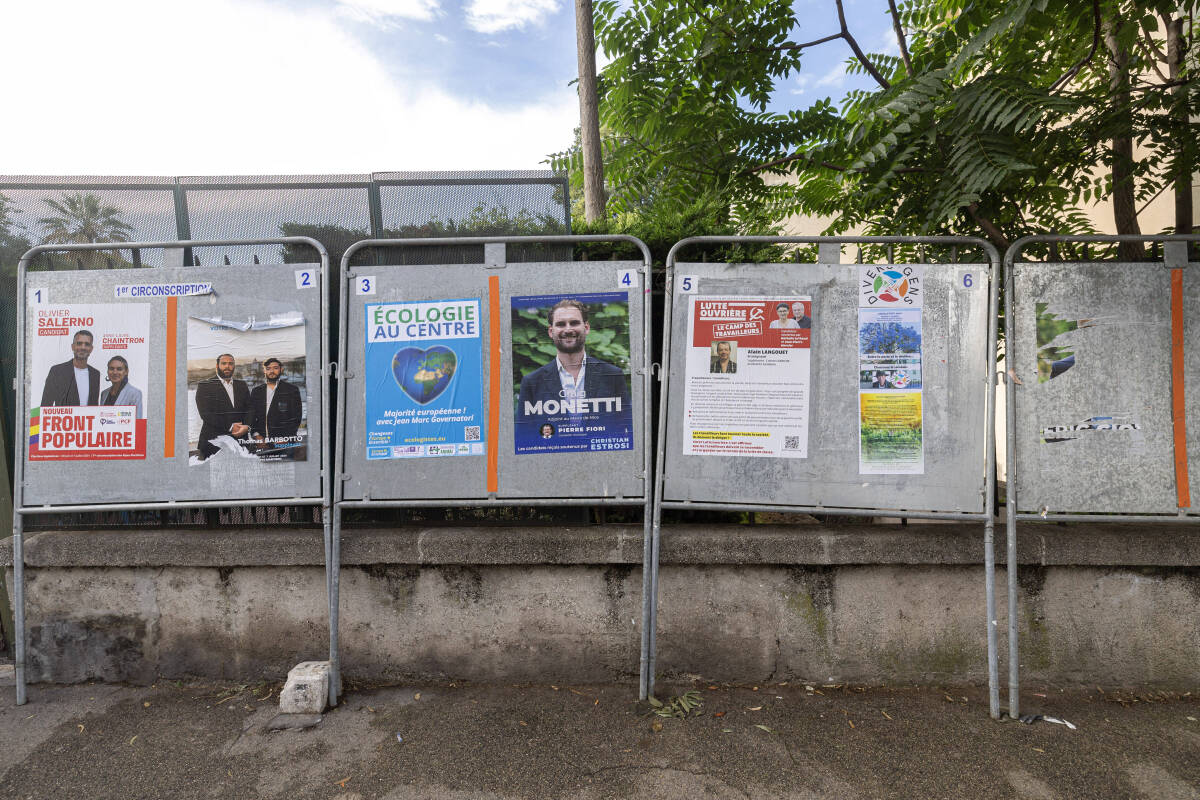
x=39, y=296
x=364, y=284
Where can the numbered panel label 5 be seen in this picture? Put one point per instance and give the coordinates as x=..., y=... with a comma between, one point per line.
x=364, y=284
x=686, y=284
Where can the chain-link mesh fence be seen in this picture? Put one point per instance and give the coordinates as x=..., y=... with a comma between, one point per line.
x=336, y=210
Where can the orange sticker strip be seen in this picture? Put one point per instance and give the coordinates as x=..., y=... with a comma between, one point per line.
x=493, y=426
x=1178, y=395
x=169, y=390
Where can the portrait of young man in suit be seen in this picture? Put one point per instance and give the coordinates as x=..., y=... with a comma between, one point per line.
x=275, y=406
x=572, y=374
x=223, y=403
x=74, y=382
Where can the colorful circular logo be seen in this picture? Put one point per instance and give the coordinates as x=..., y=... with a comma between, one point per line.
x=891, y=286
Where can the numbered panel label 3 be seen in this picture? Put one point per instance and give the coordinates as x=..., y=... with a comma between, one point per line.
x=364, y=284
x=306, y=278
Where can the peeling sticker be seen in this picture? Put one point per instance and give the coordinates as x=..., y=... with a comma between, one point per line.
x=1053, y=360
x=1099, y=424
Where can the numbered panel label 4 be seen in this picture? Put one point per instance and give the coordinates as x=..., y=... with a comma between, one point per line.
x=306, y=278
x=627, y=279
x=364, y=284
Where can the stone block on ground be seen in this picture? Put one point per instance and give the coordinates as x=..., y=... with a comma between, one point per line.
x=307, y=688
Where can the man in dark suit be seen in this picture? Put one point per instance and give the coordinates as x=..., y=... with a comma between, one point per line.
x=802, y=320
x=72, y=382
x=275, y=407
x=560, y=379
x=223, y=403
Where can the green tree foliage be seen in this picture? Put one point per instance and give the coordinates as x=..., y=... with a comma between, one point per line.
x=13, y=242
x=483, y=220
x=82, y=218
x=999, y=117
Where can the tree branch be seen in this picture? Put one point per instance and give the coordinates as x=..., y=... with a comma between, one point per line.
x=1153, y=55
x=1149, y=87
x=900, y=37
x=989, y=228
x=822, y=40
x=1074, y=70
x=826, y=164
x=858, y=53
x=795, y=157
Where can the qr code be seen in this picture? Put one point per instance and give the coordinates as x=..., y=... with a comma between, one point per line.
x=791, y=443
x=471, y=433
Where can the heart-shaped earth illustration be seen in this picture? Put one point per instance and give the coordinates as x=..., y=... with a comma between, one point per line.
x=424, y=374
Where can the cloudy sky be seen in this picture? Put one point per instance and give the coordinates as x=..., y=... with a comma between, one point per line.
x=219, y=87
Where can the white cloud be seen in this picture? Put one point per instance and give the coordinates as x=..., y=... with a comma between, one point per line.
x=493, y=16
x=385, y=12
x=886, y=42
x=236, y=87
x=835, y=78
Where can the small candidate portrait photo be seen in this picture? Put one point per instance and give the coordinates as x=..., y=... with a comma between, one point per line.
x=120, y=391
x=571, y=371
x=275, y=406
x=723, y=357
x=783, y=318
x=246, y=390
x=74, y=382
x=800, y=315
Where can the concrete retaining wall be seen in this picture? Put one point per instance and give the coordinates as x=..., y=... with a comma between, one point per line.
x=1116, y=605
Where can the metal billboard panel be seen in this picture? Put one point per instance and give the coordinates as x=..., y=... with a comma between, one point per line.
x=615, y=475
x=1092, y=352
x=165, y=474
x=955, y=382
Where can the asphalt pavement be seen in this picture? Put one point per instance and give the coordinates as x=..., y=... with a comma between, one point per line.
x=458, y=741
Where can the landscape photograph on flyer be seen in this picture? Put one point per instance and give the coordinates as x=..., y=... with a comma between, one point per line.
x=570, y=355
x=246, y=389
x=90, y=375
x=423, y=391
x=890, y=433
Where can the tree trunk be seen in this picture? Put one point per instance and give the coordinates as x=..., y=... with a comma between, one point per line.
x=1123, y=190
x=589, y=114
x=1185, y=159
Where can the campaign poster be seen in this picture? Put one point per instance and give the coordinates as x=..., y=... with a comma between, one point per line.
x=424, y=379
x=90, y=376
x=746, y=387
x=571, y=373
x=891, y=431
x=247, y=390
